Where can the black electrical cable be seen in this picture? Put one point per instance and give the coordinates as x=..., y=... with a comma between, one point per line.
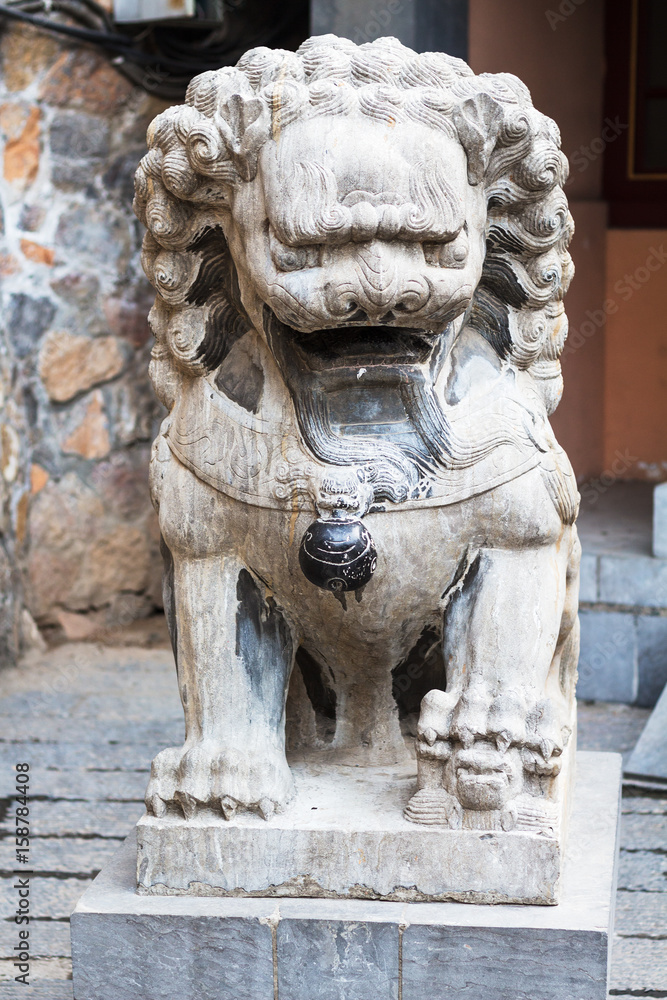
x=106, y=38
x=159, y=57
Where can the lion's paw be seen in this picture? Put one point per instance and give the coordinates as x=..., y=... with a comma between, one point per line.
x=207, y=775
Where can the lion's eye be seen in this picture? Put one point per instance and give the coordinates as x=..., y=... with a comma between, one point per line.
x=453, y=254
x=294, y=258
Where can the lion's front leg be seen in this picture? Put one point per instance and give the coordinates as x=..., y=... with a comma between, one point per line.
x=234, y=651
x=492, y=743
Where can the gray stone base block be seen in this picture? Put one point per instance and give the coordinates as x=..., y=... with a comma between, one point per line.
x=623, y=656
x=345, y=835
x=127, y=946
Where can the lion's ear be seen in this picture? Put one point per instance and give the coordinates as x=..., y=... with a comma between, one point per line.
x=478, y=121
x=243, y=122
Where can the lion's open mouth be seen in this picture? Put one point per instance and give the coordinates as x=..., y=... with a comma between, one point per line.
x=357, y=346
x=364, y=345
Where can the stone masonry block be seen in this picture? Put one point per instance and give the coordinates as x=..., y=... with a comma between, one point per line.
x=588, y=578
x=652, y=658
x=660, y=521
x=608, y=657
x=472, y=962
x=336, y=960
x=79, y=136
x=163, y=957
x=633, y=580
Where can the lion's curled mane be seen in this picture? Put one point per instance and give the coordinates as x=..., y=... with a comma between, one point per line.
x=199, y=152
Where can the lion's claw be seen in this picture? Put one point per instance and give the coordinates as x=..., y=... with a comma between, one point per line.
x=229, y=806
x=207, y=775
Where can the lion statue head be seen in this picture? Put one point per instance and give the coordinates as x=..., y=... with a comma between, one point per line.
x=361, y=217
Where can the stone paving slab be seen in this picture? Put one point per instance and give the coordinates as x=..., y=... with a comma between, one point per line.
x=53, y=730
x=610, y=726
x=44, y=990
x=639, y=964
x=641, y=914
x=642, y=871
x=644, y=805
x=645, y=832
x=71, y=819
x=58, y=969
x=48, y=939
x=49, y=897
x=65, y=855
x=94, y=756
x=80, y=783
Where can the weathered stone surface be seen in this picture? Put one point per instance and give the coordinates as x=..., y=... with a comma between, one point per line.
x=37, y=253
x=45, y=969
x=39, y=477
x=22, y=150
x=26, y=51
x=121, y=482
x=337, y=959
x=642, y=805
x=82, y=78
x=79, y=136
x=27, y=320
x=640, y=914
x=101, y=757
x=9, y=609
x=81, y=289
x=90, y=437
x=80, y=783
x=76, y=856
x=588, y=583
x=648, y=833
x=48, y=989
x=65, y=819
x=48, y=939
x=134, y=413
x=476, y=962
x=9, y=452
x=84, y=554
x=116, y=560
x=98, y=232
x=9, y=265
x=119, y=177
x=31, y=218
x=128, y=316
x=69, y=364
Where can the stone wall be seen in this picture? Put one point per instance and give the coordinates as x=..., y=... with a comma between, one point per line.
x=78, y=534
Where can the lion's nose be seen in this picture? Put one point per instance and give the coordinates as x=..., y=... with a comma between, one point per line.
x=380, y=286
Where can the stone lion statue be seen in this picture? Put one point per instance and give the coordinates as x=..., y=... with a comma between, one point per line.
x=360, y=257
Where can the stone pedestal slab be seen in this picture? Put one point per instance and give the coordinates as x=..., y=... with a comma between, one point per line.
x=345, y=835
x=127, y=946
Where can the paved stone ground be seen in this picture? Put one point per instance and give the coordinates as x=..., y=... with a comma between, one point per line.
x=88, y=720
